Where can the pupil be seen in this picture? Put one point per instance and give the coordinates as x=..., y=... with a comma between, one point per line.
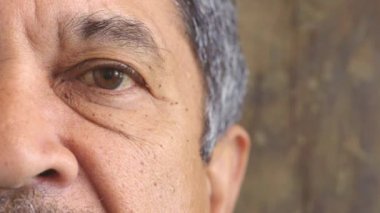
x=108, y=78
x=110, y=74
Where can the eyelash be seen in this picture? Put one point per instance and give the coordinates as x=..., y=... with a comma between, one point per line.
x=100, y=63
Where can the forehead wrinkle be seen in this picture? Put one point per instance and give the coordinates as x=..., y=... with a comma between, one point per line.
x=110, y=29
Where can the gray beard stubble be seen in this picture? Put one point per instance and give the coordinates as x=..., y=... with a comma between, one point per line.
x=27, y=201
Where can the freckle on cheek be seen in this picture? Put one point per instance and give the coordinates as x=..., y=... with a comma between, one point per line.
x=173, y=103
x=172, y=189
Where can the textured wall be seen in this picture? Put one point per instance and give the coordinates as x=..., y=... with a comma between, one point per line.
x=314, y=106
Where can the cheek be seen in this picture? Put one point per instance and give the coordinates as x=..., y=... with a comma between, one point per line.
x=148, y=161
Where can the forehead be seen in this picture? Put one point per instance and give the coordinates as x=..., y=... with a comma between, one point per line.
x=159, y=16
x=43, y=21
x=50, y=7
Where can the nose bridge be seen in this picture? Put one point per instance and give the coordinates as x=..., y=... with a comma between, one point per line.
x=29, y=141
x=20, y=118
x=21, y=98
x=24, y=112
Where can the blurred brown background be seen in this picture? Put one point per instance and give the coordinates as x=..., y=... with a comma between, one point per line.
x=314, y=106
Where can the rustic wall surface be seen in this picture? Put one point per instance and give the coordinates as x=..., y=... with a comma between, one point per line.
x=314, y=106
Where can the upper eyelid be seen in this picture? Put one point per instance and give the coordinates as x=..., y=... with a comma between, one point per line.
x=95, y=62
x=80, y=68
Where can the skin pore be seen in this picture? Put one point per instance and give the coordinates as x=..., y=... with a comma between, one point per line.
x=102, y=111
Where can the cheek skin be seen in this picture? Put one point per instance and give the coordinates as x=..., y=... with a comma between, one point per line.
x=156, y=167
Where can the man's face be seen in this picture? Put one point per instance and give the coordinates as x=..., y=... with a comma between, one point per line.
x=101, y=107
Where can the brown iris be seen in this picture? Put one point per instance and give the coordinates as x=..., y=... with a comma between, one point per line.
x=108, y=78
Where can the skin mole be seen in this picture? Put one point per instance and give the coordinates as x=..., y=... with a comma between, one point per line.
x=173, y=103
x=65, y=95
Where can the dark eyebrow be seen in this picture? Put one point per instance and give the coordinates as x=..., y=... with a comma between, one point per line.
x=118, y=30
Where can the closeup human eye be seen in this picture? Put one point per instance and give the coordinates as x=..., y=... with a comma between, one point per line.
x=102, y=81
x=109, y=75
x=108, y=78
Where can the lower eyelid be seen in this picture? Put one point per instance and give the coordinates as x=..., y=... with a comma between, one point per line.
x=118, y=99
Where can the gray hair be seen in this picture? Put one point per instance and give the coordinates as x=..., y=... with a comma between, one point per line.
x=212, y=30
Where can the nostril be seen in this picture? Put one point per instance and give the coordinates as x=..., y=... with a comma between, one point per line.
x=48, y=173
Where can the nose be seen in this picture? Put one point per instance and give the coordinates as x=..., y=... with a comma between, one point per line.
x=31, y=150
